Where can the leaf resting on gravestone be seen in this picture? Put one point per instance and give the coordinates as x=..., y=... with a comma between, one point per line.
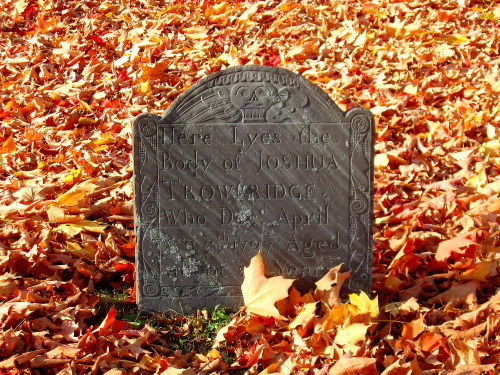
x=260, y=293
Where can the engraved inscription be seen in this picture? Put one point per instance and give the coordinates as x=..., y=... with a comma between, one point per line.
x=248, y=159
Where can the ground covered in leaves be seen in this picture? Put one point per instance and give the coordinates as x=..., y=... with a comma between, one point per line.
x=74, y=73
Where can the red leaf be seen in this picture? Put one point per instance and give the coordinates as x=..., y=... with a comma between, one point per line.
x=110, y=323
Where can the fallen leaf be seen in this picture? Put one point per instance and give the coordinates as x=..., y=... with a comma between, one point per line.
x=304, y=316
x=9, y=146
x=457, y=246
x=61, y=215
x=354, y=366
x=362, y=304
x=459, y=294
x=261, y=293
x=351, y=334
x=328, y=287
x=77, y=227
x=76, y=193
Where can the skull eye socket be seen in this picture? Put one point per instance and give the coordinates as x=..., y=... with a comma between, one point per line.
x=244, y=92
x=261, y=92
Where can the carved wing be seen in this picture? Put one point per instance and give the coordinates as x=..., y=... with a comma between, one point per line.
x=219, y=104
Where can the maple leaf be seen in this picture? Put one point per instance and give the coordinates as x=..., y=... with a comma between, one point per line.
x=362, y=304
x=261, y=293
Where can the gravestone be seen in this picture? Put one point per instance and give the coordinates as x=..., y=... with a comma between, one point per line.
x=250, y=158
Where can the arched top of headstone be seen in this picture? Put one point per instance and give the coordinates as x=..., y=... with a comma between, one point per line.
x=254, y=94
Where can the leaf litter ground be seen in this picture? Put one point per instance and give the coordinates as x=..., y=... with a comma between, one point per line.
x=72, y=76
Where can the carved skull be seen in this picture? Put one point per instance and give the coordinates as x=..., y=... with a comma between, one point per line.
x=253, y=99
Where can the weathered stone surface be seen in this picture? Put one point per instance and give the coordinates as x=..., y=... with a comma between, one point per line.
x=249, y=158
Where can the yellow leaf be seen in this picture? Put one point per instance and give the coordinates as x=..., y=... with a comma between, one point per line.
x=456, y=39
x=214, y=353
x=479, y=180
x=362, y=304
x=72, y=176
x=72, y=229
x=491, y=148
x=8, y=146
x=480, y=271
x=76, y=193
x=145, y=88
x=11, y=104
x=87, y=253
x=105, y=139
x=411, y=89
x=85, y=106
x=304, y=316
x=260, y=293
x=352, y=334
x=488, y=16
x=100, y=148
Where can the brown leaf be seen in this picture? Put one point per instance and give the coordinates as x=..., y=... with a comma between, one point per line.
x=8, y=285
x=459, y=294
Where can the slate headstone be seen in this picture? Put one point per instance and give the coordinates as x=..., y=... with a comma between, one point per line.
x=249, y=158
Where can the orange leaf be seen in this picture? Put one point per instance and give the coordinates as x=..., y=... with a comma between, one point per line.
x=8, y=146
x=155, y=72
x=413, y=329
x=431, y=341
x=260, y=293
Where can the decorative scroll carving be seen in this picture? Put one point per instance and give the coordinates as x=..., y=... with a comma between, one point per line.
x=360, y=221
x=146, y=140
